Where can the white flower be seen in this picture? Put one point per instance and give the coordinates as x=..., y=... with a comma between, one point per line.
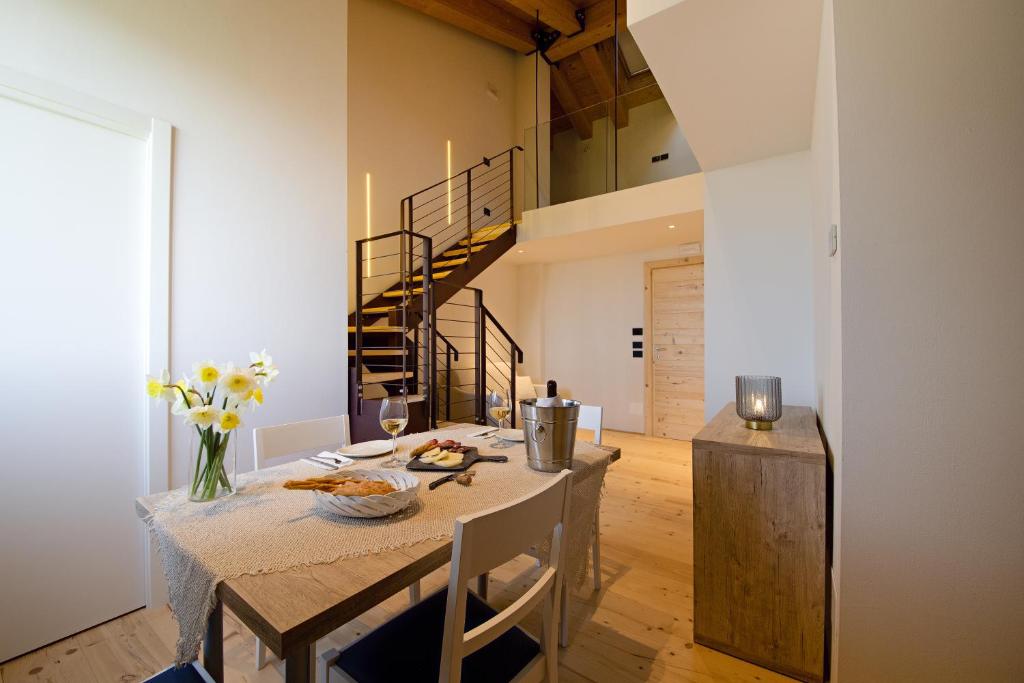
x=205, y=373
x=157, y=387
x=264, y=366
x=227, y=421
x=238, y=380
x=202, y=416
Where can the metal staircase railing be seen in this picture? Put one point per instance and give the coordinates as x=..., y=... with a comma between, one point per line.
x=395, y=327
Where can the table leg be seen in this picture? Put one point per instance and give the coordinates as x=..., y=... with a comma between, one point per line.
x=213, y=644
x=299, y=665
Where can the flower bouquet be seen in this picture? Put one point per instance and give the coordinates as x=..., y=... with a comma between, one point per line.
x=213, y=401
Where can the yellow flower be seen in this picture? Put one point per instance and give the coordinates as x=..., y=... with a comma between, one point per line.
x=238, y=380
x=157, y=387
x=228, y=420
x=206, y=372
x=255, y=395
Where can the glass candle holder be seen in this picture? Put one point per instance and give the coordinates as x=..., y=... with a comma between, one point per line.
x=758, y=400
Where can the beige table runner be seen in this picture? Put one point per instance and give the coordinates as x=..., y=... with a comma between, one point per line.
x=264, y=528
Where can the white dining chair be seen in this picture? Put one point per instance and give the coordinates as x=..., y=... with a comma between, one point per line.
x=590, y=418
x=292, y=441
x=433, y=641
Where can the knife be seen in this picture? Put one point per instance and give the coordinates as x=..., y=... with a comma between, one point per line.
x=483, y=432
x=442, y=480
x=317, y=463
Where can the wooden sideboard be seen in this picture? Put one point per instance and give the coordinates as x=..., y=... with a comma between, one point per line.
x=759, y=541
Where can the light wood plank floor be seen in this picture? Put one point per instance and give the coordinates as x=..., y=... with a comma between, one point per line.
x=638, y=628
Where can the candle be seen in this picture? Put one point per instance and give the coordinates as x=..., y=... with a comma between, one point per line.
x=759, y=407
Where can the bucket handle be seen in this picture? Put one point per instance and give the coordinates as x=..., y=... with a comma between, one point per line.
x=539, y=432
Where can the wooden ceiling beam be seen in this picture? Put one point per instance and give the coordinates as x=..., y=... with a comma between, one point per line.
x=601, y=22
x=570, y=103
x=558, y=14
x=482, y=18
x=598, y=69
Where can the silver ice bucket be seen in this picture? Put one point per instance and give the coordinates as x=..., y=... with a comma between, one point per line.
x=550, y=433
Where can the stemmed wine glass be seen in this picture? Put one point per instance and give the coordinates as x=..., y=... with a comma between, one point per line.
x=394, y=415
x=500, y=407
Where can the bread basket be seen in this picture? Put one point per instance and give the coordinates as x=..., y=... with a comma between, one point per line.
x=407, y=486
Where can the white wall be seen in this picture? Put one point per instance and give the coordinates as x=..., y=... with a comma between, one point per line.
x=256, y=94
x=581, y=168
x=414, y=83
x=758, y=310
x=827, y=284
x=576, y=319
x=931, y=151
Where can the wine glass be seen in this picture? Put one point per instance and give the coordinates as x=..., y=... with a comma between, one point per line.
x=500, y=407
x=394, y=415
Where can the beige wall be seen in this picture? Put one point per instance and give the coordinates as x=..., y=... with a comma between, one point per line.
x=415, y=82
x=258, y=206
x=931, y=150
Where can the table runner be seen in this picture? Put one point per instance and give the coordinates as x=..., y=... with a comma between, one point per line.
x=264, y=528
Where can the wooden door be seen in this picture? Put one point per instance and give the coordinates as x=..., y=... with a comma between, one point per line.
x=675, y=348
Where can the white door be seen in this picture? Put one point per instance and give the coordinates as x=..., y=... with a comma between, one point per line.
x=73, y=250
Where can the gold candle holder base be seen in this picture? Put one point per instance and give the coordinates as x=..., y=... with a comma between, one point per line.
x=757, y=424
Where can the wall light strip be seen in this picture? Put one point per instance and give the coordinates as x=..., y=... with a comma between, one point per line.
x=449, y=176
x=369, y=226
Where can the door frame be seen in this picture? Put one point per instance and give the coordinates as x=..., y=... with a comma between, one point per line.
x=649, y=268
x=157, y=135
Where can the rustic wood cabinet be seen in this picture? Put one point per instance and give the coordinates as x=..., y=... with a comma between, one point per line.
x=759, y=541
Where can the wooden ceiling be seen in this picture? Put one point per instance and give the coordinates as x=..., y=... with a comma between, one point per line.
x=585, y=63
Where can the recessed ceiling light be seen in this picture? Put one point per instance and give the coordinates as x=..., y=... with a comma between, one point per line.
x=521, y=251
x=671, y=227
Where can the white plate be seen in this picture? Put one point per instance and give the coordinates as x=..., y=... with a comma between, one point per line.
x=510, y=434
x=366, y=449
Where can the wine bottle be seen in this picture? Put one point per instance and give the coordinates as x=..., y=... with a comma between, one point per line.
x=552, y=388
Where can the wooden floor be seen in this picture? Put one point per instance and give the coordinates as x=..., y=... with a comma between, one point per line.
x=638, y=628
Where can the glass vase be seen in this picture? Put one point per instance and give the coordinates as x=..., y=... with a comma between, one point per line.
x=213, y=457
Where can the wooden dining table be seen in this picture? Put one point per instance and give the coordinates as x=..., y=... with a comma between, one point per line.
x=290, y=610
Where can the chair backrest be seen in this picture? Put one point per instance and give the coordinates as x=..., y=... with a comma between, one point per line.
x=590, y=418
x=296, y=438
x=488, y=539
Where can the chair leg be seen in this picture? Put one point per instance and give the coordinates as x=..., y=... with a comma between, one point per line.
x=597, y=548
x=563, y=621
x=549, y=640
x=261, y=654
x=481, y=585
x=414, y=593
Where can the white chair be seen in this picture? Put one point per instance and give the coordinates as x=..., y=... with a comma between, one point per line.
x=293, y=441
x=429, y=642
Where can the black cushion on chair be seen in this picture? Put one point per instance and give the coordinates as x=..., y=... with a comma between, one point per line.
x=408, y=648
x=186, y=674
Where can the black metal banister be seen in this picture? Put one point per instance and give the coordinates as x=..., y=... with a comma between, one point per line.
x=508, y=337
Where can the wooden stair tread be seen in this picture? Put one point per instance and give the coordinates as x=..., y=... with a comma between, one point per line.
x=377, y=352
x=379, y=309
x=379, y=377
x=374, y=329
x=436, y=275
x=396, y=293
x=463, y=250
x=491, y=232
x=450, y=262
